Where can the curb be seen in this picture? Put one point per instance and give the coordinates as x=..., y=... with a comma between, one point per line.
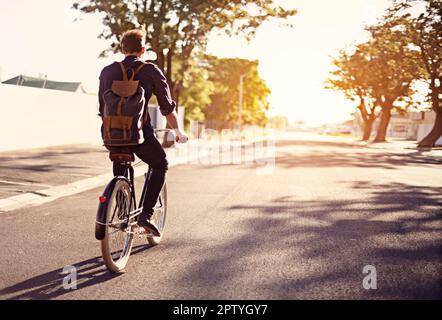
x=50, y=194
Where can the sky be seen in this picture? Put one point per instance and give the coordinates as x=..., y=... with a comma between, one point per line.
x=40, y=38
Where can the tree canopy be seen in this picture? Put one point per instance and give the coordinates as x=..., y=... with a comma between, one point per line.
x=177, y=31
x=380, y=72
x=425, y=33
x=351, y=76
x=175, y=28
x=223, y=111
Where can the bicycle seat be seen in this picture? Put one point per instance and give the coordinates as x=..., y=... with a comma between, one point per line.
x=121, y=157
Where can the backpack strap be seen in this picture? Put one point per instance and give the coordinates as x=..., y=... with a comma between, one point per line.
x=123, y=71
x=139, y=67
x=146, y=114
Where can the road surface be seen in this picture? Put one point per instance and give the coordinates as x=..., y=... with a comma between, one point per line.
x=305, y=231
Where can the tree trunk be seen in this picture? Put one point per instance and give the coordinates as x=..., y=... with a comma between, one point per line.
x=430, y=140
x=383, y=126
x=167, y=141
x=174, y=88
x=367, y=118
x=368, y=125
x=169, y=67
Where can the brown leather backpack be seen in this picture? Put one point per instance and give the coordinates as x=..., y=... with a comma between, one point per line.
x=125, y=112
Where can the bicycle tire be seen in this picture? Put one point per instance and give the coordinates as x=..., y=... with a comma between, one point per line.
x=119, y=206
x=159, y=216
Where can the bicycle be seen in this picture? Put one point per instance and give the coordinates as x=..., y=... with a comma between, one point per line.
x=117, y=214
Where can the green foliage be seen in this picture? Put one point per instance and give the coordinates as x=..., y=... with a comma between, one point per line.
x=223, y=112
x=211, y=92
x=425, y=33
x=380, y=72
x=176, y=29
x=352, y=76
x=196, y=92
x=180, y=26
x=382, y=69
x=394, y=64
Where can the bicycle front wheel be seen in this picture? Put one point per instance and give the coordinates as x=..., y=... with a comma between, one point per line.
x=117, y=242
x=159, y=216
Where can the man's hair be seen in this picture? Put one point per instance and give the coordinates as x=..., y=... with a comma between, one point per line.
x=133, y=40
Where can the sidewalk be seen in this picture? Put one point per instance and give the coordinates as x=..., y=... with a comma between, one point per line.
x=37, y=176
x=36, y=169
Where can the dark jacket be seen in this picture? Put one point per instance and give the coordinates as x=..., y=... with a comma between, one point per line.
x=151, y=79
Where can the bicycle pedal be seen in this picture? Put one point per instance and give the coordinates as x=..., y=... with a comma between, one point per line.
x=143, y=233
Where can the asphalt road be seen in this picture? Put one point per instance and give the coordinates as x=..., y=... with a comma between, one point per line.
x=305, y=231
x=36, y=169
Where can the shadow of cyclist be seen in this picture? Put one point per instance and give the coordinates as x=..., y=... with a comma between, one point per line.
x=50, y=285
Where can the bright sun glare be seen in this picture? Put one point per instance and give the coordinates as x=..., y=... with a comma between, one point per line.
x=293, y=62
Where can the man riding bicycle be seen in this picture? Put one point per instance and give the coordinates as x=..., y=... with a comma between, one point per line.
x=153, y=81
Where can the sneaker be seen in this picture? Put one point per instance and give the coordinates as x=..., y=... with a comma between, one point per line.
x=149, y=226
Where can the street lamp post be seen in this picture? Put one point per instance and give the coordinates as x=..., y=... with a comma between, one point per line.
x=241, y=83
x=44, y=81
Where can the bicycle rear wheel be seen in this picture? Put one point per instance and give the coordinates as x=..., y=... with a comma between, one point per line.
x=117, y=243
x=159, y=216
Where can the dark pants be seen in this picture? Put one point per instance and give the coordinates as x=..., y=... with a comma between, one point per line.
x=151, y=152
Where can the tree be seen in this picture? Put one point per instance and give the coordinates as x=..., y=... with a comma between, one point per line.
x=175, y=28
x=380, y=74
x=351, y=77
x=278, y=122
x=393, y=69
x=196, y=92
x=428, y=37
x=223, y=111
x=425, y=32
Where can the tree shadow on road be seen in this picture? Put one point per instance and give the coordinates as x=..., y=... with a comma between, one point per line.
x=312, y=154
x=348, y=155
x=51, y=159
x=50, y=285
x=50, y=152
x=317, y=249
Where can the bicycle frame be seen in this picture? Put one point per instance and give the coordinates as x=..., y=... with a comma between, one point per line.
x=129, y=176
